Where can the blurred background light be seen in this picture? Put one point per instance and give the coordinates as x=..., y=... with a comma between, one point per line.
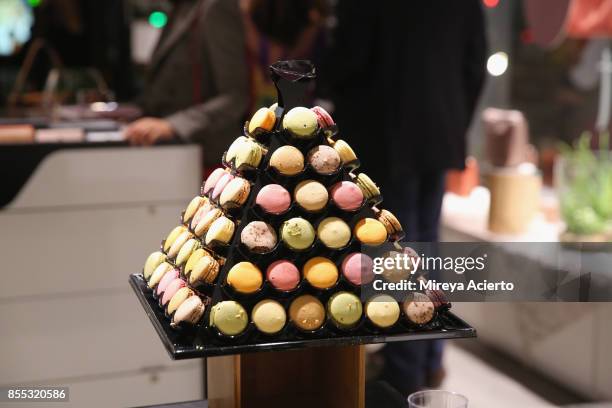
x=490, y=3
x=16, y=20
x=158, y=19
x=497, y=63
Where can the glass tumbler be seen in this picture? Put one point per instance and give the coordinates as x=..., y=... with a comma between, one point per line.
x=437, y=399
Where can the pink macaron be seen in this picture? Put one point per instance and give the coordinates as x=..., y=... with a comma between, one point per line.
x=166, y=279
x=283, y=275
x=323, y=118
x=358, y=268
x=171, y=289
x=223, y=181
x=273, y=199
x=212, y=180
x=347, y=195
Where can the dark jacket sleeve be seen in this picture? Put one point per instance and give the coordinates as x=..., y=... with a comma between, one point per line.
x=223, y=49
x=475, y=55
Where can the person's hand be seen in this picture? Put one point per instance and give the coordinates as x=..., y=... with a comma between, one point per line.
x=147, y=131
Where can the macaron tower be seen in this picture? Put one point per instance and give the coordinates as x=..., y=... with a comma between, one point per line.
x=271, y=249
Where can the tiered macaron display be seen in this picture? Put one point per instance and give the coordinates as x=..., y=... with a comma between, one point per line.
x=272, y=248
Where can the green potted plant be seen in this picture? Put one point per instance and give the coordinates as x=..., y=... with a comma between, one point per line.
x=584, y=186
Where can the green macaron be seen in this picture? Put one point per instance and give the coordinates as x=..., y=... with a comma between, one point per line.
x=344, y=309
x=300, y=122
x=367, y=186
x=297, y=233
x=229, y=317
x=152, y=262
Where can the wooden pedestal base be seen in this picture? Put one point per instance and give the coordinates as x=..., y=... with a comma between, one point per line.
x=310, y=377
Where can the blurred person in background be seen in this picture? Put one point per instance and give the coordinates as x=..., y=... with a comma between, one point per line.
x=405, y=77
x=210, y=67
x=197, y=86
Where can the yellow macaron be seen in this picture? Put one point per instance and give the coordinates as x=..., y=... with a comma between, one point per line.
x=245, y=277
x=320, y=272
x=370, y=231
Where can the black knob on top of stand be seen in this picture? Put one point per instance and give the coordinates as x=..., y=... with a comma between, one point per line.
x=292, y=80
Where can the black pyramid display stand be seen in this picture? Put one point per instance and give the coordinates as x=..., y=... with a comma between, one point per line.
x=270, y=379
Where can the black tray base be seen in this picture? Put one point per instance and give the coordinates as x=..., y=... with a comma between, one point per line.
x=181, y=345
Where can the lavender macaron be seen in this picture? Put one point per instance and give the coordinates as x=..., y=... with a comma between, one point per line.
x=324, y=159
x=258, y=237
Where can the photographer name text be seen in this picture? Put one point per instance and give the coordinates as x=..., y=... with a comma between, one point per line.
x=451, y=287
